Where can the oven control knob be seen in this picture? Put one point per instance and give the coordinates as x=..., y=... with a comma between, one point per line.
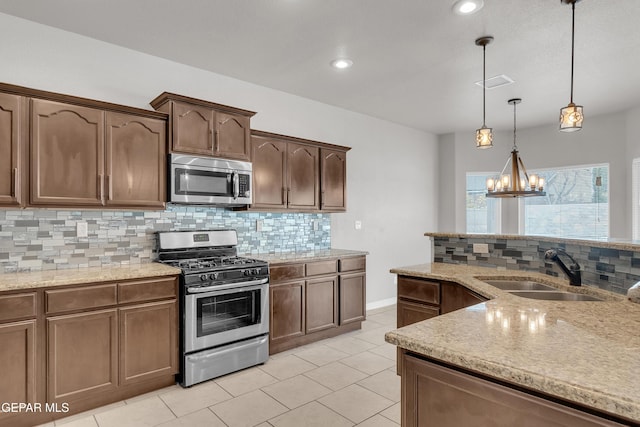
x=213, y=276
x=203, y=277
x=256, y=271
x=247, y=272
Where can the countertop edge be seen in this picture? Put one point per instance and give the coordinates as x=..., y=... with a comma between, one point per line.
x=293, y=257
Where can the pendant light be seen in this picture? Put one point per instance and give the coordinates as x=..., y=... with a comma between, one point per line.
x=571, y=116
x=484, y=135
x=516, y=183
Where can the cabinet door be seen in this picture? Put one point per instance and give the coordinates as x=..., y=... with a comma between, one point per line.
x=410, y=312
x=437, y=396
x=352, y=297
x=269, y=158
x=10, y=149
x=455, y=297
x=303, y=177
x=67, y=154
x=321, y=304
x=18, y=361
x=232, y=136
x=287, y=317
x=192, y=129
x=82, y=356
x=333, y=186
x=148, y=343
x=135, y=160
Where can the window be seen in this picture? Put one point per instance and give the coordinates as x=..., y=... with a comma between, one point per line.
x=576, y=204
x=483, y=215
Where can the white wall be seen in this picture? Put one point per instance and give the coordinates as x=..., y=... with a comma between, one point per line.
x=392, y=170
x=604, y=139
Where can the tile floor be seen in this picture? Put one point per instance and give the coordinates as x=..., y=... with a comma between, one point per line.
x=348, y=380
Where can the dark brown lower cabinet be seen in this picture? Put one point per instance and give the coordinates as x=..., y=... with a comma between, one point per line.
x=439, y=396
x=18, y=362
x=353, y=303
x=315, y=300
x=82, y=355
x=411, y=312
x=321, y=304
x=287, y=317
x=148, y=339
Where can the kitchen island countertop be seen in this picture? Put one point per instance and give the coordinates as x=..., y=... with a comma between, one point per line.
x=579, y=351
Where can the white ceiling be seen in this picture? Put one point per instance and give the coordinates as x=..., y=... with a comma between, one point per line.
x=415, y=61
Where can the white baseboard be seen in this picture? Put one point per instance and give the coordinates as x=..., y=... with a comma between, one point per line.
x=381, y=303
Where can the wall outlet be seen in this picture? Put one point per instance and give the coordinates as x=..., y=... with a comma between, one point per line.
x=259, y=225
x=480, y=248
x=316, y=225
x=358, y=225
x=82, y=229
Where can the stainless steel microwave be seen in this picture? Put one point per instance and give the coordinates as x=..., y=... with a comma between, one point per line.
x=208, y=180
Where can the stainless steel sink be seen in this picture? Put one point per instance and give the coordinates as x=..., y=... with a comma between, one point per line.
x=554, y=296
x=519, y=285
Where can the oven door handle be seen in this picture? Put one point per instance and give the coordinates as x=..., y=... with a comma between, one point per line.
x=199, y=290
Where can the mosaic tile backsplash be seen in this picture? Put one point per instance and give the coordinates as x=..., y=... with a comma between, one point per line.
x=614, y=270
x=38, y=239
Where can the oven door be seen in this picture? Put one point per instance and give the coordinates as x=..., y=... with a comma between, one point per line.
x=222, y=314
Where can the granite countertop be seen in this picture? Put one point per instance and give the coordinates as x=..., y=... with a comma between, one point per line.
x=49, y=278
x=585, y=352
x=282, y=258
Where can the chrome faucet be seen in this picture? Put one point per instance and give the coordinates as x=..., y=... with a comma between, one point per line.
x=573, y=271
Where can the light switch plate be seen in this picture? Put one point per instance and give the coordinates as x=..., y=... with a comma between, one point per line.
x=480, y=248
x=258, y=225
x=358, y=225
x=82, y=229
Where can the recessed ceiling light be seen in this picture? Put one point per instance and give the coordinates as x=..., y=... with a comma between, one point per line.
x=467, y=7
x=341, y=63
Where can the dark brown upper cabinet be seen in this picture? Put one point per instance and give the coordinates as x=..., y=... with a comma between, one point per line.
x=86, y=156
x=297, y=174
x=12, y=121
x=333, y=173
x=206, y=128
x=67, y=154
x=135, y=161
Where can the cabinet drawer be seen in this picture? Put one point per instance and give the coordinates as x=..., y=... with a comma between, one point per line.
x=322, y=267
x=95, y=296
x=411, y=312
x=17, y=306
x=280, y=273
x=418, y=290
x=147, y=290
x=352, y=264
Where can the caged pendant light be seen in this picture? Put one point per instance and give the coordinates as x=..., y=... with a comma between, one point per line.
x=571, y=116
x=516, y=183
x=484, y=135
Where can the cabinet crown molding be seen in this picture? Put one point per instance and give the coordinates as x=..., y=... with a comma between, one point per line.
x=165, y=97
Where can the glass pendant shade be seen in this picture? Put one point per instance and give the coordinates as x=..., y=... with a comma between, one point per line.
x=571, y=118
x=484, y=137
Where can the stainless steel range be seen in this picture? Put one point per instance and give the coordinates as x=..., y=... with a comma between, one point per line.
x=224, y=319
